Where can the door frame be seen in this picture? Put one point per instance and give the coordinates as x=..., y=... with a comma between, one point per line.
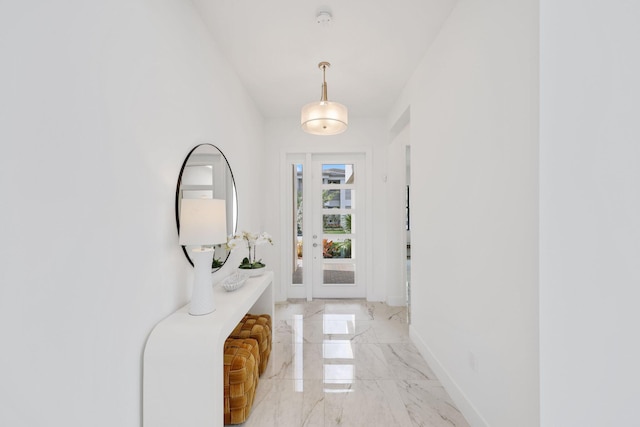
x=305, y=291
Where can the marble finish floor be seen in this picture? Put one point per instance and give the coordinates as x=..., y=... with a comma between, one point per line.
x=347, y=363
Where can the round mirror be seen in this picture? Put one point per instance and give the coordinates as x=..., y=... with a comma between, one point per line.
x=206, y=174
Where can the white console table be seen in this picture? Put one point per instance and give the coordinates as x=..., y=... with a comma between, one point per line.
x=183, y=358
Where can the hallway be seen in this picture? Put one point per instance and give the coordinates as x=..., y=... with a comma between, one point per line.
x=348, y=363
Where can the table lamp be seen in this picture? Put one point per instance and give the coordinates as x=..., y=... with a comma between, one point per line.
x=203, y=223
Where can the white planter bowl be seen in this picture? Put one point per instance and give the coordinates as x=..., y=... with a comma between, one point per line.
x=253, y=272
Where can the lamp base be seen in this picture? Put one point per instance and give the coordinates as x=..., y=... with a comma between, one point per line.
x=202, y=295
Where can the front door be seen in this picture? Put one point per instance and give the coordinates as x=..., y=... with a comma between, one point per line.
x=337, y=223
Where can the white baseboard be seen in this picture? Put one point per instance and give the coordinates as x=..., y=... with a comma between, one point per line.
x=462, y=402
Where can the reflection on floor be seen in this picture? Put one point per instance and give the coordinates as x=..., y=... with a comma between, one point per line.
x=348, y=363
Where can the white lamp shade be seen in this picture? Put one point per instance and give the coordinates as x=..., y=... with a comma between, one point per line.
x=324, y=118
x=203, y=221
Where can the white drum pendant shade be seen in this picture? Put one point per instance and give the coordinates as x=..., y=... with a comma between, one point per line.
x=324, y=117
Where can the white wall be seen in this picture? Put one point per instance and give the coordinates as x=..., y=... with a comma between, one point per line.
x=99, y=104
x=474, y=157
x=589, y=213
x=285, y=135
x=397, y=234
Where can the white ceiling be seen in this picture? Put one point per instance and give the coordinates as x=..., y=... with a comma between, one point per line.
x=373, y=47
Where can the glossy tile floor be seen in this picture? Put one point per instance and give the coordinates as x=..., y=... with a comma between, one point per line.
x=347, y=363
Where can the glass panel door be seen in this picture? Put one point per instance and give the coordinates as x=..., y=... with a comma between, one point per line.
x=337, y=215
x=297, y=268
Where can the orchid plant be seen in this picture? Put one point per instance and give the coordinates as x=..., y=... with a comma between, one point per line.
x=251, y=241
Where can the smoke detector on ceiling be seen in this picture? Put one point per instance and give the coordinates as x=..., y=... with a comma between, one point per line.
x=324, y=19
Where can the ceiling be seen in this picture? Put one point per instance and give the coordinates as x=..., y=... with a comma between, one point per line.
x=373, y=47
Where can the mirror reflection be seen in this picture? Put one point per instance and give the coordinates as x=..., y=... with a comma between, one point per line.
x=206, y=174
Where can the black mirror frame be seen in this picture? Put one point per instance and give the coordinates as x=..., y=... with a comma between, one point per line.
x=177, y=201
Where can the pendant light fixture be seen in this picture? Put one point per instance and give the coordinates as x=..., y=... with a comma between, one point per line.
x=324, y=117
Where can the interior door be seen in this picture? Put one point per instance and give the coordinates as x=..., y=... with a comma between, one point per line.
x=338, y=222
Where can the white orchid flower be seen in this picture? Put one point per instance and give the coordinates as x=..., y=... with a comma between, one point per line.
x=264, y=238
x=249, y=236
x=233, y=242
x=250, y=241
